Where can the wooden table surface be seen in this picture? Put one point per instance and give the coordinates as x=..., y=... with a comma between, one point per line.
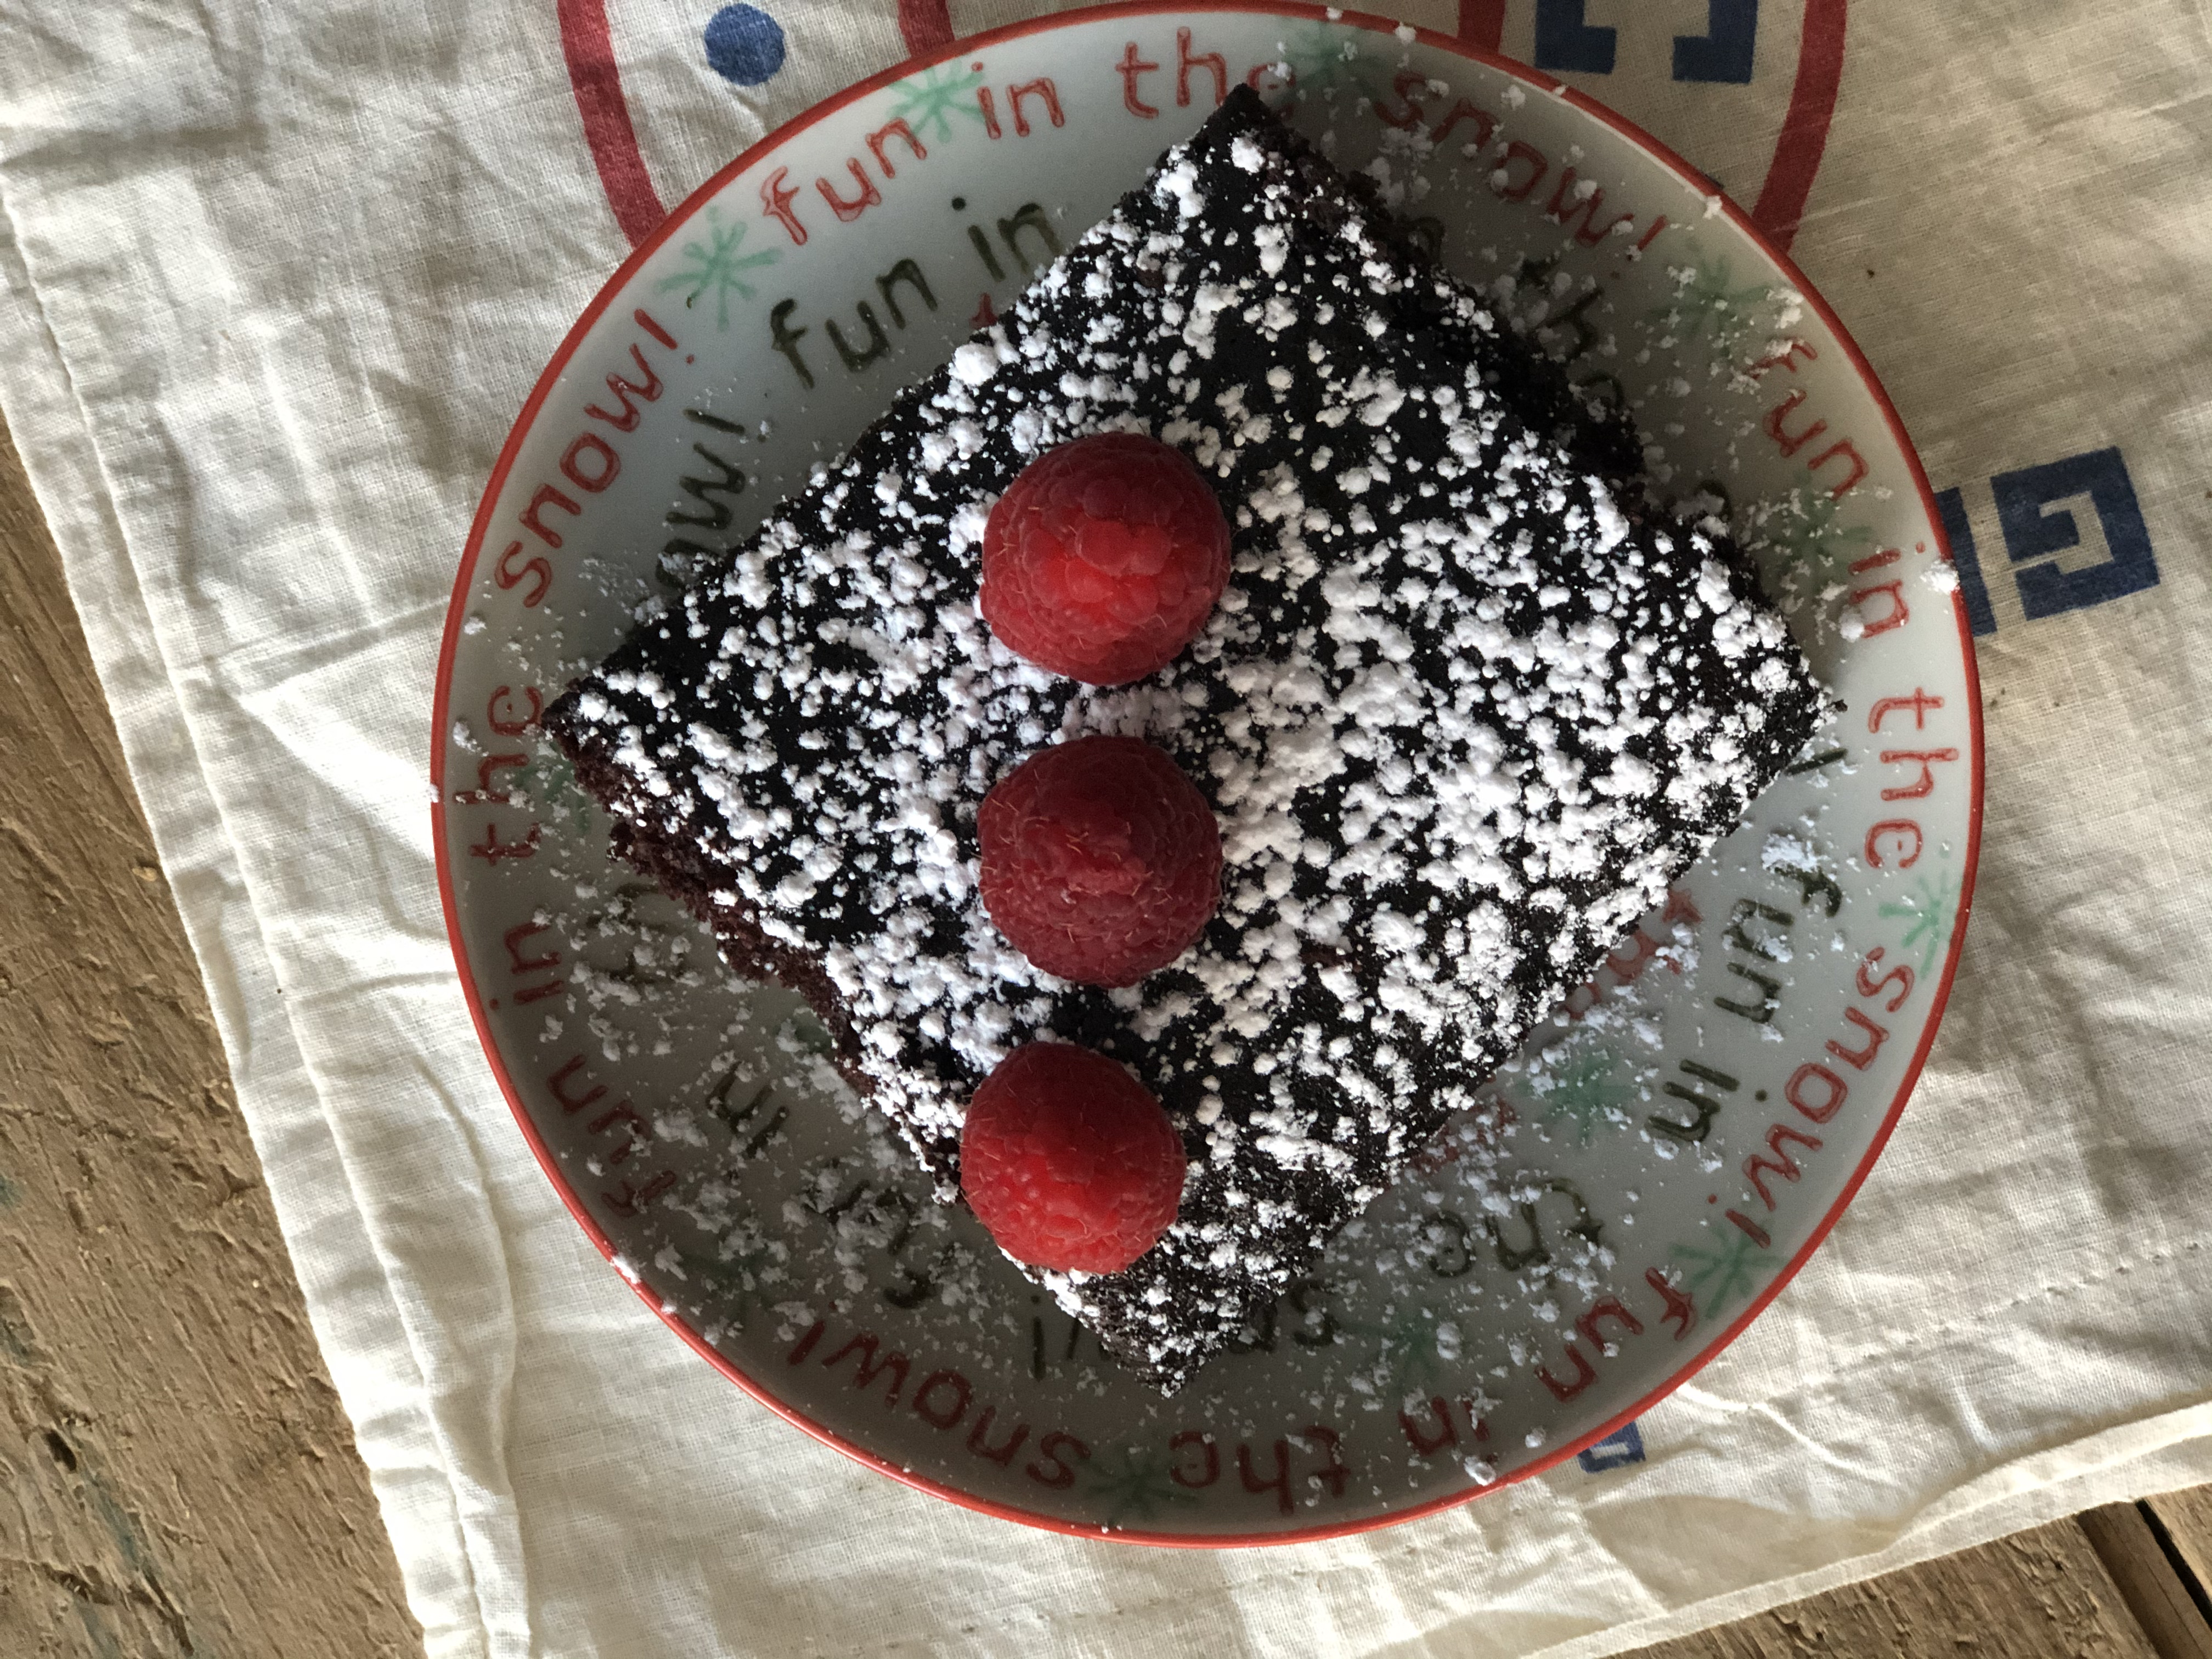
x=179, y=1477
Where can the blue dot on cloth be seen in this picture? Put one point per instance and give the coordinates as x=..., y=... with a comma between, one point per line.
x=744, y=45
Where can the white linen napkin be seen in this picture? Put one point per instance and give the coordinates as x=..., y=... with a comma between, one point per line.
x=273, y=282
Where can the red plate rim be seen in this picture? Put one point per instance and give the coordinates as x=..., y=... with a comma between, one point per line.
x=464, y=581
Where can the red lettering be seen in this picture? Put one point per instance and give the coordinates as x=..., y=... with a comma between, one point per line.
x=979, y=1439
x=989, y=105
x=1860, y=1058
x=1869, y=986
x=1875, y=561
x=1426, y=1443
x=1212, y=62
x=621, y=1112
x=547, y=496
x=1279, y=1483
x=1780, y=413
x=893, y=129
x=1652, y=234
x=848, y=211
x=1282, y=75
x=1919, y=702
x=1898, y=828
x=1643, y=950
x=1758, y=1166
x=937, y=1417
x=776, y=198
x=1042, y=88
x=633, y=1198
x=1050, y=1468
x=1519, y=150
x=1440, y=1151
x=1680, y=908
x=1485, y=125
x=806, y=1344
x=1335, y=1471
x=492, y=849
x=1794, y=1092
x=645, y=321
x=488, y=769
x=1585, y=1374
x=537, y=570
x=1898, y=616
x=1849, y=452
x=1680, y=1311
x=1209, y=1466
x=623, y=390
x=570, y=1105
x=508, y=726
x=1406, y=83
x=515, y=936
x=871, y=1367
x=591, y=482
x=1785, y=358
x=539, y=992
x=1751, y=1230
x=1131, y=67
x=1927, y=760
x=1587, y=207
x=1606, y=1307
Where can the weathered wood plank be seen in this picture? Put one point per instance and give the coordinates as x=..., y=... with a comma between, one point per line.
x=2038, y=1594
x=2148, y=1580
x=178, y=1476
x=2186, y=1518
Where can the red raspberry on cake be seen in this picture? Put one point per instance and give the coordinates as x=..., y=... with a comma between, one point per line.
x=1100, y=860
x=1105, y=558
x=1069, y=1161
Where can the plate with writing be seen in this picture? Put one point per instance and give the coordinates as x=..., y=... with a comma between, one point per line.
x=1636, y=1186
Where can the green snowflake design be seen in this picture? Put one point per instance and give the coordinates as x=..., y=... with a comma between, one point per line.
x=714, y=263
x=1806, y=527
x=1410, y=1354
x=1138, y=1488
x=1583, y=1081
x=1707, y=306
x=940, y=92
x=1931, y=908
x=1321, y=56
x=1720, y=1275
x=549, y=783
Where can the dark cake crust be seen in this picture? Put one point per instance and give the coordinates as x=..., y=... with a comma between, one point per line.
x=1467, y=709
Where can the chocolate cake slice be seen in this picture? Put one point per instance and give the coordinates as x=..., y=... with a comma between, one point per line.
x=1467, y=706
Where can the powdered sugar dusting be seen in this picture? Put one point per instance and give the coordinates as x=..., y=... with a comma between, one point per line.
x=1462, y=712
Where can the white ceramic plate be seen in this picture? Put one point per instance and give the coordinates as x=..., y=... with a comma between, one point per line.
x=1673, y=1146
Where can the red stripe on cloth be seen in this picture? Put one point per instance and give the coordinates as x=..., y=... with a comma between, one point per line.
x=926, y=24
x=1482, y=22
x=589, y=49
x=1805, y=130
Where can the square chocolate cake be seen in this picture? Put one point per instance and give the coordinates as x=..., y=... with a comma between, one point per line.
x=1468, y=704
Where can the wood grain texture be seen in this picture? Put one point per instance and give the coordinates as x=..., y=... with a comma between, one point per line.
x=176, y=1476
x=2038, y=1594
x=2149, y=1579
x=2185, y=1518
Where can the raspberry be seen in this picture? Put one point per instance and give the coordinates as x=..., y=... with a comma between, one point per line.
x=1100, y=860
x=1104, y=559
x=1069, y=1160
